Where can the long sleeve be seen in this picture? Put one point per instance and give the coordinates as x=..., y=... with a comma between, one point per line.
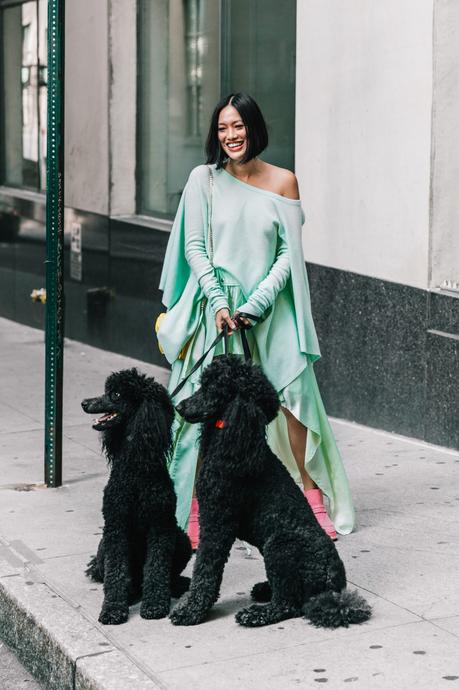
x=268, y=289
x=195, y=243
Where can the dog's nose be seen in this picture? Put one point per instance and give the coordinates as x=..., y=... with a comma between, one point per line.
x=84, y=404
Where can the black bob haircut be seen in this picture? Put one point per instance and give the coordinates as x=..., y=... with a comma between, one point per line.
x=251, y=116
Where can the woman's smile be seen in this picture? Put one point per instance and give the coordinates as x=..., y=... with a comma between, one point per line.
x=235, y=146
x=234, y=149
x=232, y=133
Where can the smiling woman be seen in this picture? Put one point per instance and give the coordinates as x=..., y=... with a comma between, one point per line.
x=235, y=252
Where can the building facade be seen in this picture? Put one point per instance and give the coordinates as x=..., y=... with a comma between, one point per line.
x=361, y=100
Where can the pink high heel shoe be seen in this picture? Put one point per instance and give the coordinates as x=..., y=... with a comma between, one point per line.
x=193, y=524
x=315, y=499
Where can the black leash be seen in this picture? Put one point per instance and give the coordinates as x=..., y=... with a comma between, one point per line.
x=222, y=335
x=244, y=328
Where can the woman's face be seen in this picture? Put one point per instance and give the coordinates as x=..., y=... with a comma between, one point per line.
x=232, y=133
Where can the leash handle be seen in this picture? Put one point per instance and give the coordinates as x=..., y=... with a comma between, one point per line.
x=225, y=339
x=244, y=328
x=222, y=335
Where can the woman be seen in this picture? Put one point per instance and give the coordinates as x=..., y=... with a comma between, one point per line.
x=249, y=261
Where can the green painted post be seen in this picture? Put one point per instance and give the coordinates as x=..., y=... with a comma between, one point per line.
x=54, y=337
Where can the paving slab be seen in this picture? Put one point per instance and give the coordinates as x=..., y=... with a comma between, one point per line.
x=414, y=655
x=402, y=558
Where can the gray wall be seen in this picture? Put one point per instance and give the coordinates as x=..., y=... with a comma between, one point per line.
x=363, y=135
x=87, y=81
x=445, y=145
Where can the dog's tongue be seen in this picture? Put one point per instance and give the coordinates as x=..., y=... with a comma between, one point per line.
x=106, y=417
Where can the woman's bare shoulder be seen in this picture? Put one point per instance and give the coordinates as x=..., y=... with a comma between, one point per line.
x=283, y=181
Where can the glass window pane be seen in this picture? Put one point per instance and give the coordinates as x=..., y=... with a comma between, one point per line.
x=42, y=90
x=29, y=95
x=24, y=52
x=13, y=78
x=260, y=58
x=179, y=86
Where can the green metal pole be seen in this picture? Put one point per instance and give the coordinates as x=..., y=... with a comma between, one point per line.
x=54, y=336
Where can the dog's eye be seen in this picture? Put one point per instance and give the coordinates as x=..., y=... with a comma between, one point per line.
x=115, y=395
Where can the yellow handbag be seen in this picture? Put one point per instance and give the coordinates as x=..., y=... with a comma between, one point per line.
x=184, y=349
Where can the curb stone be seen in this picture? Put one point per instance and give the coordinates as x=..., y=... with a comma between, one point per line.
x=60, y=647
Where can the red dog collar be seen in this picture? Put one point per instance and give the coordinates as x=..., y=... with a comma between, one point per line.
x=220, y=424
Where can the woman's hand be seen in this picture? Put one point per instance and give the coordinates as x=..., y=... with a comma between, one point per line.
x=222, y=318
x=237, y=317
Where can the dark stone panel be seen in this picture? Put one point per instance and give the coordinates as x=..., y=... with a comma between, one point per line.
x=26, y=311
x=442, y=390
x=7, y=265
x=9, y=227
x=136, y=259
x=7, y=280
x=444, y=312
x=372, y=337
x=132, y=329
x=84, y=321
x=124, y=325
x=7, y=254
x=30, y=258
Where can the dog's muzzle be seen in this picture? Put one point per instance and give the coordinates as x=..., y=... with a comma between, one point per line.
x=88, y=404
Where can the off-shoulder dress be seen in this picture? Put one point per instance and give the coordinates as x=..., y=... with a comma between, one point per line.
x=258, y=267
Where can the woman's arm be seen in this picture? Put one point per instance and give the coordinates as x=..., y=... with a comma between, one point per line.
x=195, y=245
x=268, y=289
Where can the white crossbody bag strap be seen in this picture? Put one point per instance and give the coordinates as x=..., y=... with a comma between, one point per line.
x=210, y=239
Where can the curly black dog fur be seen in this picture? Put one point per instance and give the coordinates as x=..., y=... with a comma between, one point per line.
x=142, y=551
x=245, y=492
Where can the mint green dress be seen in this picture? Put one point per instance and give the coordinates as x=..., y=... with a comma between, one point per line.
x=257, y=267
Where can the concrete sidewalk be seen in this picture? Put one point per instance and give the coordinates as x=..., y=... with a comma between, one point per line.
x=403, y=558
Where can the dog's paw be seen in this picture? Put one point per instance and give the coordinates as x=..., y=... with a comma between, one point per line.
x=154, y=611
x=113, y=615
x=261, y=592
x=254, y=616
x=184, y=613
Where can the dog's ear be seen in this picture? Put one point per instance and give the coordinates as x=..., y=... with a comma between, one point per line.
x=268, y=401
x=150, y=429
x=264, y=394
x=244, y=437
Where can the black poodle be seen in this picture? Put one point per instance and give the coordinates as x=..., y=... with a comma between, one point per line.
x=142, y=551
x=245, y=492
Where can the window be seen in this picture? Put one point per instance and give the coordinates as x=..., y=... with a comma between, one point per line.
x=24, y=94
x=192, y=52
